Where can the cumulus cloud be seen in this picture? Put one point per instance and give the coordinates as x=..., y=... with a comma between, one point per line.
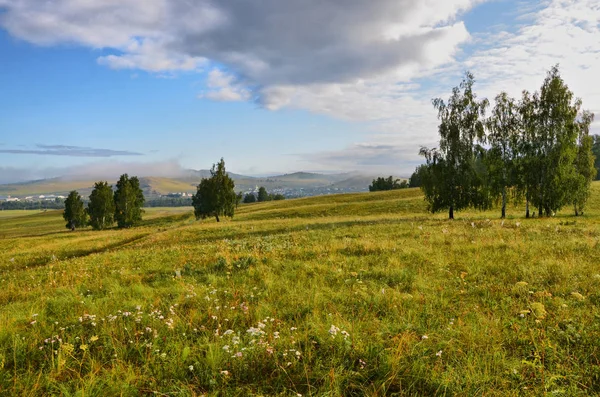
x=555, y=32
x=225, y=87
x=376, y=62
x=267, y=43
x=71, y=151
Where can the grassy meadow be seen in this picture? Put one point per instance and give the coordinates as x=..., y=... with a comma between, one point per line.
x=347, y=295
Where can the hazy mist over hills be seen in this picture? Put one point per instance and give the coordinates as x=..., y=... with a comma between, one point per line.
x=295, y=184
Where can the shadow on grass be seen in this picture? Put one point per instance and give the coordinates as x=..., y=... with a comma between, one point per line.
x=229, y=233
x=43, y=261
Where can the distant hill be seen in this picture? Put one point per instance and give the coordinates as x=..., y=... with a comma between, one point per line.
x=293, y=185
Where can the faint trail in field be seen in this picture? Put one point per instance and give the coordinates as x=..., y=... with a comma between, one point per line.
x=38, y=262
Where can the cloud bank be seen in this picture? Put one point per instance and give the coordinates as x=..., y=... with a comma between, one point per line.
x=269, y=45
x=70, y=151
x=376, y=62
x=100, y=170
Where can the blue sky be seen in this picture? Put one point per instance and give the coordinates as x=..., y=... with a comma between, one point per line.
x=153, y=87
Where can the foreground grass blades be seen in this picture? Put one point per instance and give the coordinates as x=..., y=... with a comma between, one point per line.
x=362, y=294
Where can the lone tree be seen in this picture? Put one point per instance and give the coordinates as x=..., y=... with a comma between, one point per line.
x=263, y=195
x=101, y=208
x=129, y=199
x=74, y=212
x=215, y=195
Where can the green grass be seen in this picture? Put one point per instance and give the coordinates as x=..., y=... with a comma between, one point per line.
x=349, y=295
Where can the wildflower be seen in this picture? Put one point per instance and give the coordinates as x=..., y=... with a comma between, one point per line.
x=225, y=373
x=94, y=338
x=255, y=331
x=424, y=337
x=83, y=347
x=191, y=367
x=439, y=354
x=33, y=322
x=362, y=363
x=333, y=330
x=228, y=332
x=238, y=355
x=276, y=335
x=226, y=348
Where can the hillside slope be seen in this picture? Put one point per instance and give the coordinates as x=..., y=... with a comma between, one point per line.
x=345, y=295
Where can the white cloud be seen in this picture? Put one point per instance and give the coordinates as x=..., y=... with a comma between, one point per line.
x=377, y=62
x=223, y=87
x=271, y=42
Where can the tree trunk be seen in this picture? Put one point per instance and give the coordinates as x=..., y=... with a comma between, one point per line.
x=576, y=212
x=217, y=216
x=503, y=203
x=540, y=211
x=527, y=209
x=451, y=213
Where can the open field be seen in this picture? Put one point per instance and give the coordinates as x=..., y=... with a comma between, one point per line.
x=348, y=295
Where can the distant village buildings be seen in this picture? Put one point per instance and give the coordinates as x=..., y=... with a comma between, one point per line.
x=41, y=197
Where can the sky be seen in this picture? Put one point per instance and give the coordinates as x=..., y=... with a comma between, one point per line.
x=96, y=88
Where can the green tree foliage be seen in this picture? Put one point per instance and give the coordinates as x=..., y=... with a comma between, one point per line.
x=553, y=134
x=276, y=196
x=596, y=153
x=74, y=212
x=585, y=170
x=417, y=177
x=388, y=183
x=101, y=207
x=452, y=181
x=263, y=195
x=503, y=139
x=215, y=195
x=249, y=198
x=129, y=200
x=238, y=199
x=538, y=149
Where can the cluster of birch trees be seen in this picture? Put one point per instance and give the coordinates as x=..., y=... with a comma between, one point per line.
x=535, y=149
